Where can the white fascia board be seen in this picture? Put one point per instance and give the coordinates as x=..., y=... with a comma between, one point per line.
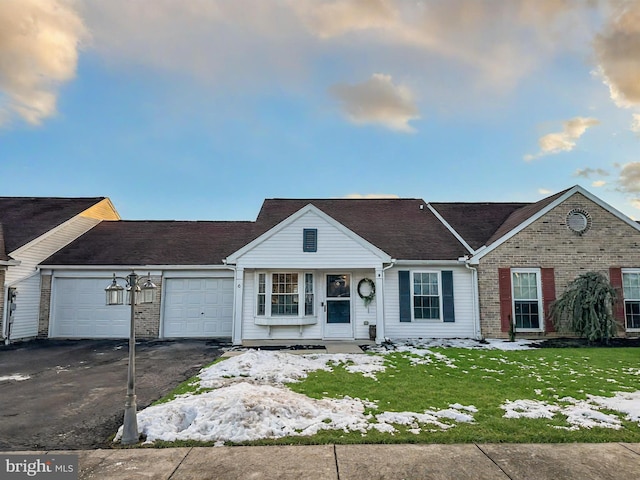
x=450, y=228
x=484, y=250
x=136, y=267
x=10, y=263
x=233, y=258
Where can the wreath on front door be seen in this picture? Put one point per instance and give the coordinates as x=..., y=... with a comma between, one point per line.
x=370, y=287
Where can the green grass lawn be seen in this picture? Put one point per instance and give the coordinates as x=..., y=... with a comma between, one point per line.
x=484, y=379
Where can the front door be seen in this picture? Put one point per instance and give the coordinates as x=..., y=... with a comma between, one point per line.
x=338, y=322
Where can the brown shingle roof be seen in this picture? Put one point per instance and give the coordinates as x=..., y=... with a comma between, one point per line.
x=397, y=226
x=3, y=252
x=155, y=243
x=523, y=214
x=476, y=222
x=26, y=218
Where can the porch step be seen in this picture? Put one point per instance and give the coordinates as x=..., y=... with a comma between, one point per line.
x=342, y=347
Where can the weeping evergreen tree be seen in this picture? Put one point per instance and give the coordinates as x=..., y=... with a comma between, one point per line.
x=586, y=308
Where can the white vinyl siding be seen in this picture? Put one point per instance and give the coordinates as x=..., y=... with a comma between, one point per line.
x=463, y=298
x=283, y=250
x=25, y=316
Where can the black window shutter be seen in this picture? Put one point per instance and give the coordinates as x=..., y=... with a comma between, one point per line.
x=405, y=295
x=447, y=296
x=310, y=240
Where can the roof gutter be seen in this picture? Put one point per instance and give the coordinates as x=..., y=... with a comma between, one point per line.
x=134, y=267
x=10, y=263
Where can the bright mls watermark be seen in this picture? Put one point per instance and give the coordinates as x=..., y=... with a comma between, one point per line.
x=51, y=467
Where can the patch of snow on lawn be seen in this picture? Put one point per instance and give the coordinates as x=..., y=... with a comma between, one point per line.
x=580, y=413
x=624, y=402
x=529, y=409
x=487, y=344
x=274, y=367
x=18, y=377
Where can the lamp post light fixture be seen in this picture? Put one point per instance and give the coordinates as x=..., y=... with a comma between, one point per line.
x=136, y=293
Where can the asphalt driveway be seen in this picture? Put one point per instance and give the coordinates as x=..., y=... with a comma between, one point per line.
x=74, y=396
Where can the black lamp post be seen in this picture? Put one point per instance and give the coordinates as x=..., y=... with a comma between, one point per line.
x=136, y=293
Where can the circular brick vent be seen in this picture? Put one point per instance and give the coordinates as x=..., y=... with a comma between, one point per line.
x=578, y=221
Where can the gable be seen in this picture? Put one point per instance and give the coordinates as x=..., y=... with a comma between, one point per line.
x=607, y=233
x=24, y=219
x=404, y=228
x=283, y=246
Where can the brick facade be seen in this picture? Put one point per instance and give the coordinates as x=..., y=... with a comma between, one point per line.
x=45, y=306
x=548, y=243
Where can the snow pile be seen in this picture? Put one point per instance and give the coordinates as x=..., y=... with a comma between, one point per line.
x=580, y=413
x=250, y=402
x=273, y=367
x=244, y=412
x=488, y=344
x=18, y=377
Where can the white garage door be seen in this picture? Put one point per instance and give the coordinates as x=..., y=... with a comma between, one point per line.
x=198, y=307
x=80, y=310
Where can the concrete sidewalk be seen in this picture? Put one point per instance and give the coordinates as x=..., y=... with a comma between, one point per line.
x=613, y=461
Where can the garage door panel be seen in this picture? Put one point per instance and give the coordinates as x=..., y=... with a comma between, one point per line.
x=80, y=310
x=198, y=307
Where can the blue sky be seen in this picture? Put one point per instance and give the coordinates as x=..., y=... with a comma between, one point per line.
x=200, y=109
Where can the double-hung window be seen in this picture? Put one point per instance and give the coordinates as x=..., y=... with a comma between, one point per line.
x=631, y=288
x=527, y=299
x=426, y=296
x=284, y=294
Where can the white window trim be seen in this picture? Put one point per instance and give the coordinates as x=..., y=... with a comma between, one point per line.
x=628, y=270
x=411, y=283
x=268, y=287
x=541, y=313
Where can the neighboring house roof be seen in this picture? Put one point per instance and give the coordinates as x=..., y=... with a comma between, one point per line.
x=155, y=243
x=3, y=253
x=26, y=218
x=398, y=226
x=476, y=222
x=523, y=214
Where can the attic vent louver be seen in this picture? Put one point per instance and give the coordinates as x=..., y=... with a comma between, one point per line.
x=578, y=221
x=310, y=240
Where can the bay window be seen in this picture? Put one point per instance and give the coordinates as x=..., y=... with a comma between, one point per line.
x=282, y=294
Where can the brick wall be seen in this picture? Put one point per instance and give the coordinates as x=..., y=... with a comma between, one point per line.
x=148, y=314
x=45, y=305
x=549, y=243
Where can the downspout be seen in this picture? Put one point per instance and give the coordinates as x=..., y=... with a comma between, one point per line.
x=380, y=332
x=476, y=298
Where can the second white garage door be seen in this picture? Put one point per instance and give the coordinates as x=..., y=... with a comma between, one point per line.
x=198, y=307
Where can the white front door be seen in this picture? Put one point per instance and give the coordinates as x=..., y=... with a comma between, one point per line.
x=338, y=322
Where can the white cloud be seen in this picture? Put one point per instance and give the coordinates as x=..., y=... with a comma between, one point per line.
x=563, y=141
x=635, y=124
x=379, y=101
x=588, y=172
x=618, y=52
x=598, y=183
x=544, y=191
x=39, y=43
x=629, y=180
